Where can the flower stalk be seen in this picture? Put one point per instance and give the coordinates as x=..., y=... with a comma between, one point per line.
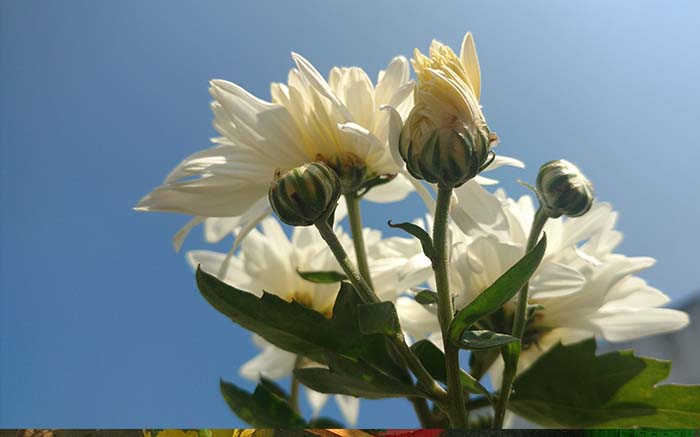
x=294, y=385
x=519, y=323
x=456, y=411
x=358, y=239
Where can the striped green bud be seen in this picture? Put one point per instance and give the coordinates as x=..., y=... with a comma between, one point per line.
x=305, y=195
x=563, y=189
x=448, y=157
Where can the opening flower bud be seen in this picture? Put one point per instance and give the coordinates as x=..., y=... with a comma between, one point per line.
x=445, y=139
x=563, y=189
x=305, y=195
x=448, y=157
x=350, y=168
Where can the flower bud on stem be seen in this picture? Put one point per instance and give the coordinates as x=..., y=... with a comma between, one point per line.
x=561, y=189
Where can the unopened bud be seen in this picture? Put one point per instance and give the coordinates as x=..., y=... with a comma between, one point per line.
x=448, y=157
x=563, y=189
x=305, y=195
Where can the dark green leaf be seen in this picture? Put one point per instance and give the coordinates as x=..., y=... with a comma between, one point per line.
x=325, y=423
x=499, y=293
x=479, y=340
x=262, y=408
x=274, y=387
x=433, y=359
x=297, y=329
x=571, y=387
x=481, y=360
x=425, y=241
x=323, y=277
x=378, y=318
x=426, y=297
x=355, y=378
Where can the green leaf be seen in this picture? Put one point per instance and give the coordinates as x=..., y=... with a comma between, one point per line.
x=433, y=359
x=274, y=388
x=262, y=408
x=426, y=297
x=499, y=293
x=323, y=277
x=378, y=318
x=571, y=387
x=479, y=340
x=297, y=329
x=425, y=241
x=325, y=423
x=355, y=378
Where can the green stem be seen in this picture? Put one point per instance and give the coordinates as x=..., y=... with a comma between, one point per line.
x=358, y=239
x=519, y=323
x=521, y=310
x=294, y=386
x=456, y=410
x=366, y=294
x=420, y=405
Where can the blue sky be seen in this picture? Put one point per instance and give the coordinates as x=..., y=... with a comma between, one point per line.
x=100, y=321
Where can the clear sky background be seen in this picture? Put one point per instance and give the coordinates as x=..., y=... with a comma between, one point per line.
x=100, y=321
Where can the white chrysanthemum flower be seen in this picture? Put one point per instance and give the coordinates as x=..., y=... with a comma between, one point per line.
x=269, y=261
x=308, y=119
x=584, y=288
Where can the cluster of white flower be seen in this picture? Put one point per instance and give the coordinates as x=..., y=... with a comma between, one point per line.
x=581, y=288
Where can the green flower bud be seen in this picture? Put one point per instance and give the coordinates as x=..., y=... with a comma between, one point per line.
x=350, y=168
x=448, y=157
x=563, y=189
x=304, y=195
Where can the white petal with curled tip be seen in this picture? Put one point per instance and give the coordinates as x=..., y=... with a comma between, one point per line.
x=182, y=234
x=500, y=161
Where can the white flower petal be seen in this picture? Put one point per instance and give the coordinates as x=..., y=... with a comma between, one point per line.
x=272, y=362
x=471, y=63
x=416, y=319
x=500, y=161
x=316, y=400
x=394, y=77
x=628, y=324
x=478, y=212
x=555, y=280
x=182, y=234
x=349, y=407
x=394, y=191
